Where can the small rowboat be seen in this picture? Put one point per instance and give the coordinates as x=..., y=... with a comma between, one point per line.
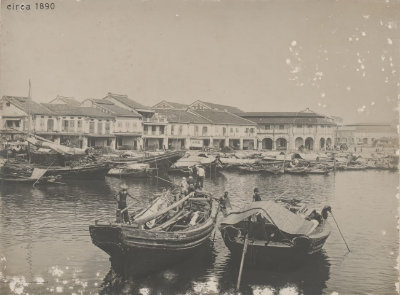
x=275, y=234
x=318, y=170
x=296, y=170
x=159, y=235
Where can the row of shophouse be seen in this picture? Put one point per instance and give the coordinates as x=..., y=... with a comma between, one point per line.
x=118, y=122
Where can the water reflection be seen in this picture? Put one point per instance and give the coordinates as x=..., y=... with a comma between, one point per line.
x=177, y=278
x=307, y=278
x=45, y=244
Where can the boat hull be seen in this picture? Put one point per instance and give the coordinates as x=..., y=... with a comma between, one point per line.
x=273, y=254
x=150, y=250
x=87, y=172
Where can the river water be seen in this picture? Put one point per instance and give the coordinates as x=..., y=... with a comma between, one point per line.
x=45, y=245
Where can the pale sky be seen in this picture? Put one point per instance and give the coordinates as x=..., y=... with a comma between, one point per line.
x=335, y=57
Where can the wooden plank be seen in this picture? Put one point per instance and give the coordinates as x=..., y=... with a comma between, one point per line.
x=151, y=217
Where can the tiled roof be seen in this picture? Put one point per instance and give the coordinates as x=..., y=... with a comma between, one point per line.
x=291, y=120
x=28, y=105
x=222, y=117
x=369, y=124
x=114, y=109
x=173, y=105
x=304, y=113
x=67, y=110
x=221, y=107
x=68, y=100
x=181, y=116
x=124, y=99
x=302, y=117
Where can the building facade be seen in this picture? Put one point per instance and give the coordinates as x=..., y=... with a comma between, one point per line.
x=194, y=127
x=293, y=131
x=61, y=123
x=367, y=134
x=128, y=125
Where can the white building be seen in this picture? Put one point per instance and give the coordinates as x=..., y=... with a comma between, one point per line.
x=293, y=131
x=192, y=126
x=61, y=123
x=367, y=134
x=128, y=125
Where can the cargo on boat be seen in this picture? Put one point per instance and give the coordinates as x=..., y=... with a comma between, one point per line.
x=162, y=234
x=57, y=161
x=136, y=170
x=274, y=234
x=183, y=165
x=142, y=165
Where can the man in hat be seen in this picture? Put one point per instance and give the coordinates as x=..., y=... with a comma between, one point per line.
x=256, y=195
x=121, y=199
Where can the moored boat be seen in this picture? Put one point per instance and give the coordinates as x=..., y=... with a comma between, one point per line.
x=132, y=170
x=275, y=235
x=296, y=170
x=159, y=235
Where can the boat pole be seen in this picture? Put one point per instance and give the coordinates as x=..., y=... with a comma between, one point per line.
x=166, y=180
x=340, y=232
x=33, y=185
x=216, y=216
x=246, y=240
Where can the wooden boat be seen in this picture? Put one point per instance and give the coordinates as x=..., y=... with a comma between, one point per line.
x=155, y=160
x=274, y=169
x=88, y=171
x=275, y=234
x=318, y=170
x=36, y=177
x=356, y=167
x=209, y=162
x=136, y=170
x=159, y=236
x=296, y=170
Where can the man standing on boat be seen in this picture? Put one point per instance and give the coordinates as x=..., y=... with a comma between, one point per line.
x=184, y=186
x=121, y=199
x=256, y=195
x=225, y=204
x=200, y=176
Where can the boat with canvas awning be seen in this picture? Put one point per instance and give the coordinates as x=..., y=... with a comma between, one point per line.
x=275, y=234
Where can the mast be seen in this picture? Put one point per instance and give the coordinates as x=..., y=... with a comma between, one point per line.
x=29, y=121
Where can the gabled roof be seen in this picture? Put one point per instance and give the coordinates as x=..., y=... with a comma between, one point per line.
x=110, y=107
x=222, y=117
x=302, y=117
x=218, y=107
x=170, y=105
x=67, y=110
x=181, y=116
x=303, y=114
x=27, y=105
x=124, y=99
x=291, y=120
x=67, y=100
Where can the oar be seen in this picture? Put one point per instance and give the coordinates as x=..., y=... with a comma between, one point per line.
x=340, y=231
x=246, y=240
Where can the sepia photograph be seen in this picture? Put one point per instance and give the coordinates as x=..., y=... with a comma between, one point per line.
x=199, y=147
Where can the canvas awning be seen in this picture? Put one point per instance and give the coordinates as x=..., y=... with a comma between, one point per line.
x=278, y=215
